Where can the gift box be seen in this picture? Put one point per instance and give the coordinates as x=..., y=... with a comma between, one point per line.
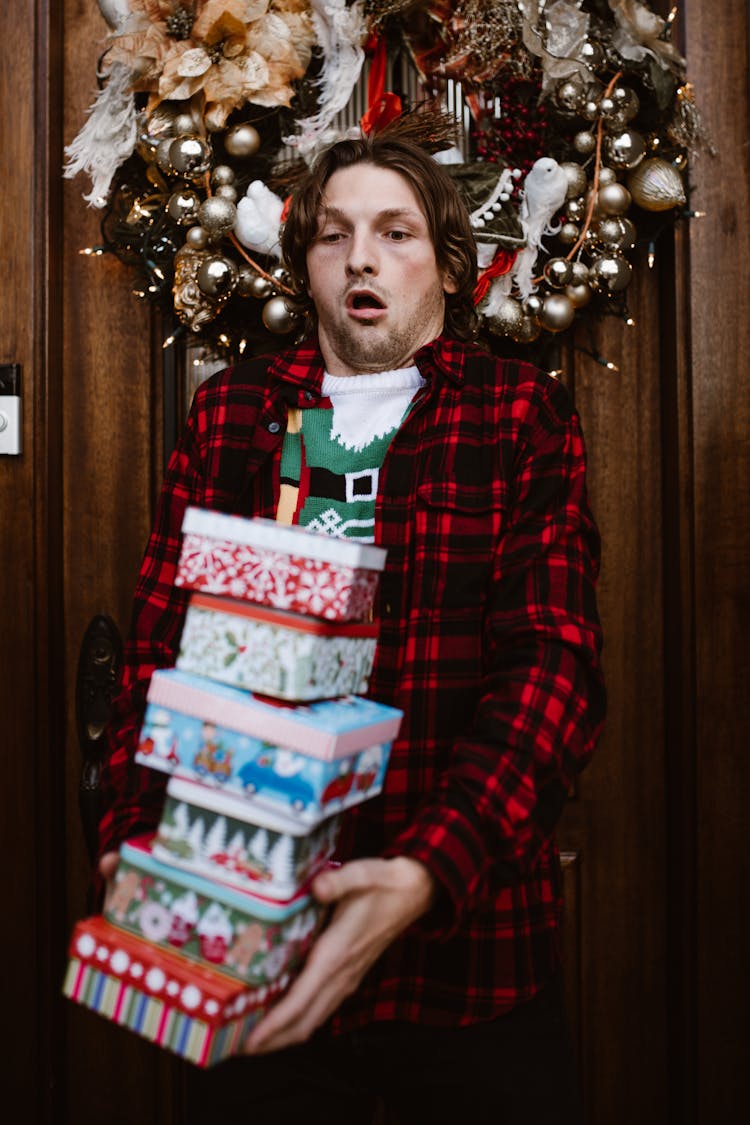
x=287, y=568
x=310, y=760
x=249, y=937
x=222, y=836
x=192, y=1010
x=272, y=652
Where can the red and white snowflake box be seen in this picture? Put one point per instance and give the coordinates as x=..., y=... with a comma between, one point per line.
x=223, y=836
x=253, y=939
x=274, y=652
x=289, y=568
x=192, y=1010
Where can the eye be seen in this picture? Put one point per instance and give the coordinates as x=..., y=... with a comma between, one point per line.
x=330, y=236
x=397, y=235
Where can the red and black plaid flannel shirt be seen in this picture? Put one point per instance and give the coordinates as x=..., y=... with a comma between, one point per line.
x=489, y=642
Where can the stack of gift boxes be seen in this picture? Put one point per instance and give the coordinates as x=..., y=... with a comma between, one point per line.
x=266, y=737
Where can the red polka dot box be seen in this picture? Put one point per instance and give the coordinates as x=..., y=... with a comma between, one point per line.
x=288, y=568
x=192, y=1010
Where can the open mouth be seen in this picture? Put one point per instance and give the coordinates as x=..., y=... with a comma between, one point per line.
x=365, y=302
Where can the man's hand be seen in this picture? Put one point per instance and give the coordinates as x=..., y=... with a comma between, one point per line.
x=108, y=865
x=375, y=900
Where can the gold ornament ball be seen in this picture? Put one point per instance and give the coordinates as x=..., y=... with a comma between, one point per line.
x=532, y=306
x=242, y=140
x=626, y=149
x=576, y=177
x=656, y=185
x=558, y=272
x=592, y=53
x=183, y=206
x=507, y=318
x=607, y=176
x=576, y=209
x=578, y=295
x=246, y=276
x=190, y=156
x=217, y=216
x=609, y=231
x=217, y=277
x=611, y=273
x=278, y=317
x=568, y=93
x=557, y=312
x=613, y=199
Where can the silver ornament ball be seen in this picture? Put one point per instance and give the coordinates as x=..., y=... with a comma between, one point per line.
x=532, y=306
x=627, y=102
x=217, y=216
x=190, y=156
x=581, y=273
x=507, y=318
x=278, y=317
x=259, y=286
x=576, y=177
x=226, y=191
x=557, y=312
x=242, y=140
x=611, y=273
x=558, y=272
x=217, y=277
x=584, y=142
x=578, y=295
x=183, y=206
x=162, y=155
x=529, y=331
x=183, y=124
x=625, y=149
x=196, y=238
x=569, y=234
x=607, y=176
x=613, y=199
x=222, y=175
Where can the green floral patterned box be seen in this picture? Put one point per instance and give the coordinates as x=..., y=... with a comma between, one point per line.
x=274, y=652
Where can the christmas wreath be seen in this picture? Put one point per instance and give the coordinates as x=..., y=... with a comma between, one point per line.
x=573, y=126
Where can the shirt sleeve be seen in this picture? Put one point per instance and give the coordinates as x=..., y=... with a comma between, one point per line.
x=494, y=808
x=131, y=795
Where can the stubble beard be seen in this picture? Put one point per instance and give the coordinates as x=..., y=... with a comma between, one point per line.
x=367, y=349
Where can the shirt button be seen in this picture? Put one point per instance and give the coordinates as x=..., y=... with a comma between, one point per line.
x=274, y=427
x=309, y=396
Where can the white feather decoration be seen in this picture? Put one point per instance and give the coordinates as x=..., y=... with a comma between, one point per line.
x=258, y=219
x=340, y=33
x=543, y=194
x=108, y=137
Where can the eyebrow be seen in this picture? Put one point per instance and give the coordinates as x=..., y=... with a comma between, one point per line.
x=386, y=213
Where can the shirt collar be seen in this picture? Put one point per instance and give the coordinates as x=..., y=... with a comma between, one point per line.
x=303, y=365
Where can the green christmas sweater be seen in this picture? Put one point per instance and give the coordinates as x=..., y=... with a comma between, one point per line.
x=332, y=453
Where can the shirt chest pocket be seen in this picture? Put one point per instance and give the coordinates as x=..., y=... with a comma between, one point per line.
x=457, y=529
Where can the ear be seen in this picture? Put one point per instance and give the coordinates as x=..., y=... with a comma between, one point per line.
x=449, y=285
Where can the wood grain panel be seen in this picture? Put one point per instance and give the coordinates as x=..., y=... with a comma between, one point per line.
x=719, y=348
x=111, y=415
x=616, y=823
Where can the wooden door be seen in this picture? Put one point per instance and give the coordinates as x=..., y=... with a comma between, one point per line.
x=656, y=865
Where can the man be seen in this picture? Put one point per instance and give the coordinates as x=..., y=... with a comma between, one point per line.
x=436, y=984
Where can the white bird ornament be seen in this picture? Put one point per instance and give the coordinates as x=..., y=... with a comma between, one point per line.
x=543, y=194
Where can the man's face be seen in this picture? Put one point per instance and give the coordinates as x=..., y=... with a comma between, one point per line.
x=372, y=273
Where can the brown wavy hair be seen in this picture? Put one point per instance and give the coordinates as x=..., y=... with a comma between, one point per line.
x=444, y=210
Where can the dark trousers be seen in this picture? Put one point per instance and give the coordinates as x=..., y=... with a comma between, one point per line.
x=518, y=1069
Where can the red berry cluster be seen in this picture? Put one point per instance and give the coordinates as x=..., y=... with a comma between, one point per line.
x=516, y=134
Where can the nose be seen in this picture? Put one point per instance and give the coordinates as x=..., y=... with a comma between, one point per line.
x=362, y=257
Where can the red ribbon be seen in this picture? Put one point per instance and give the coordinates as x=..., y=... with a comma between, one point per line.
x=382, y=106
x=501, y=264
